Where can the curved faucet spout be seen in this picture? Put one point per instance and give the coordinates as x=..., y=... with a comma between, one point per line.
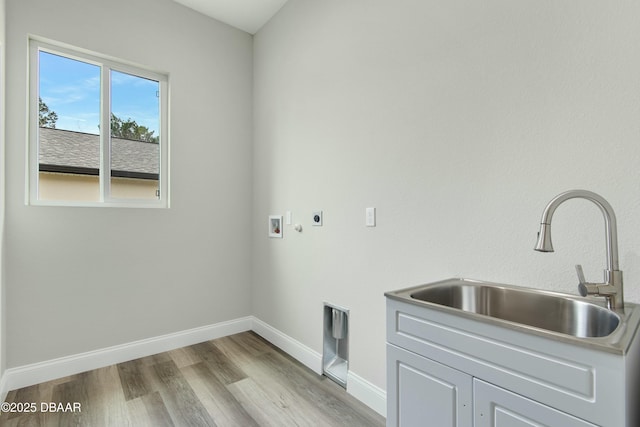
x=611, y=234
x=544, y=238
x=612, y=288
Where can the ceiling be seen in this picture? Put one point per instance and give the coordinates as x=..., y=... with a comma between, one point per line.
x=247, y=15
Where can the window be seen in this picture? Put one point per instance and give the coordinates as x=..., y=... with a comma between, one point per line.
x=97, y=130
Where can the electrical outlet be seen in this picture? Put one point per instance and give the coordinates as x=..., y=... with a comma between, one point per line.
x=316, y=218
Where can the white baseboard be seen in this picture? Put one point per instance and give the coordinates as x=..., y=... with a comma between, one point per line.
x=4, y=388
x=303, y=354
x=369, y=394
x=25, y=376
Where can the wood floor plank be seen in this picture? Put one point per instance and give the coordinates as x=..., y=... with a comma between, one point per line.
x=179, y=397
x=335, y=405
x=221, y=365
x=298, y=396
x=216, y=397
x=250, y=343
x=132, y=379
x=264, y=406
x=242, y=348
x=287, y=376
x=71, y=392
x=22, y=396
x=156, y=409
x=241, y=380
x=35, y=394
x=156, y=358
x=184, y=356
x=104, y=390
x=138, y=415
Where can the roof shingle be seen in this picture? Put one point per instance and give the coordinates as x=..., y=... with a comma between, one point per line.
x=75, y=150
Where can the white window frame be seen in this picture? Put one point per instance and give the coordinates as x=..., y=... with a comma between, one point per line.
x=106, y=64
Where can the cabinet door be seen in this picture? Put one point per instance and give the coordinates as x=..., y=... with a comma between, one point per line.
x=421, y=392
x=497, y=407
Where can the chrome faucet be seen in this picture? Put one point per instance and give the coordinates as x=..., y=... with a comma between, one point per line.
x=611, y=289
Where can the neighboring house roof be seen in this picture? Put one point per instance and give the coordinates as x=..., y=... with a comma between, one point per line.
x=66, y=151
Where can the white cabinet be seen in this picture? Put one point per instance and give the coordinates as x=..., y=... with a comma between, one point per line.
x=426, y=393
x=496, y=407
x=449, y=370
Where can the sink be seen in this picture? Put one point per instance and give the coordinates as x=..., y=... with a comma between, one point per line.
x=562, y=317
x=539, y=309
x=539, y=353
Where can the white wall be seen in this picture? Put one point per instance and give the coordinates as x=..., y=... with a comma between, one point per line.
x=80, y=279
x=2, y=181
x=458, y=121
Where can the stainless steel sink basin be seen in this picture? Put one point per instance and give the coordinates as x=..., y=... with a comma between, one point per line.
x=533, y=308
x=572, y=319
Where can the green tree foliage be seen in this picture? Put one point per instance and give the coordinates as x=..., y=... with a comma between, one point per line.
x=129, y=129
x=46, y=117
x=125, y=129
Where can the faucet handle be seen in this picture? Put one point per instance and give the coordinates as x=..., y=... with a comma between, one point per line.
x=580, y=274
x=582, y=286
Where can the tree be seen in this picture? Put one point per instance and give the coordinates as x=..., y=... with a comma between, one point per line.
x=129, y=129
x=46, y=117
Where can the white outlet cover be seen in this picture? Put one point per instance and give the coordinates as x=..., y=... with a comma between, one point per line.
x=316, y=218
x=370, y=217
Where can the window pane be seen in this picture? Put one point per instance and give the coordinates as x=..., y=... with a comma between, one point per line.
x=68, y=140
x=135, y=138
x=96, y=136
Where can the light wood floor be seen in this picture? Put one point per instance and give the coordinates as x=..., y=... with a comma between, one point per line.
x=240, y=380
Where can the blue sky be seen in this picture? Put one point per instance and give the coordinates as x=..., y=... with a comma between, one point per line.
x=72, y=89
